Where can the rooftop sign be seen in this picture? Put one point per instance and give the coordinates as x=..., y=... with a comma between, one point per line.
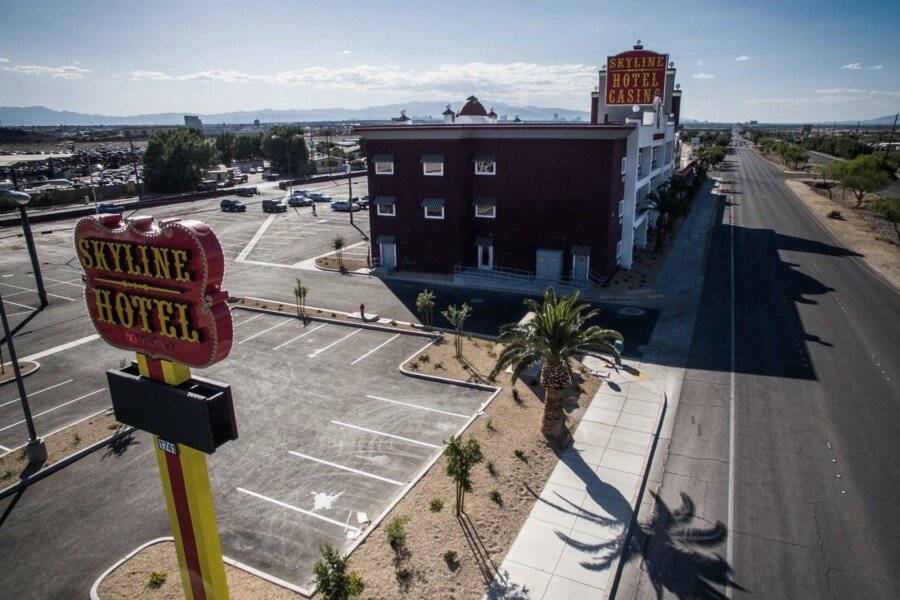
x=155, y=287
x=635, y=77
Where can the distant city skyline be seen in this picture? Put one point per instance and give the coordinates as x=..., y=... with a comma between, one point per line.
x=799, y=61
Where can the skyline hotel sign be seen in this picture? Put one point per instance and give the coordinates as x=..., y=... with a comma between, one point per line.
x=635, y=77
x=155, y=287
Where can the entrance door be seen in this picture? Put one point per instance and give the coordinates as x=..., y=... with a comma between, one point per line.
x=388, y=253
x=548, y=264
x=580, y=267
x=485, y=257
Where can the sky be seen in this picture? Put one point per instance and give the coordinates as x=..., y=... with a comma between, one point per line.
x=769, y=61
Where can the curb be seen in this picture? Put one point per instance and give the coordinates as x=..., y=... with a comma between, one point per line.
x=37, y=367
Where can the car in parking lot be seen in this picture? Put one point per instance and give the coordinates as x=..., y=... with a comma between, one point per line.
x=274, y=205
x=240, y=178
x=246, y=192
x=207, y=185
x=272, y=176
x=345, y=206
x=363, y=202
x=232, y=205
x=318, y=197
x=299, y=198
x=108, y=208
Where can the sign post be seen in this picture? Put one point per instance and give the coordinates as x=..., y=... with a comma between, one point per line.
x=154, y=287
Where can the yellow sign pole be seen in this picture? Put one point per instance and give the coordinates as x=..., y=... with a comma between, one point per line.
x=185, y=483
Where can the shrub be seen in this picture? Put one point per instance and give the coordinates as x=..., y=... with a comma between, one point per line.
x=496, y=498
x=489, y=425
x=414, y=365
x=836, y=214
x=491, y=468
x=333, y=578
x=76, y=438
x=520, y=455
x=156, y=579
x=424, y=357
x=395, y=532
x=436, y=505
x=438, y=365
x=452, y=559
x=515, y=395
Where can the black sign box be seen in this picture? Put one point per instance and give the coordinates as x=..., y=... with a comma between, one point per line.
x=199, y=413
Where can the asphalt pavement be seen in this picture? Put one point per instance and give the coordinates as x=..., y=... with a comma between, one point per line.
x=781, y=479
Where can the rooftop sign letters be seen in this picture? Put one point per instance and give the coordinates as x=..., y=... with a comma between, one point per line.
x=635, y=77
x=155, y=287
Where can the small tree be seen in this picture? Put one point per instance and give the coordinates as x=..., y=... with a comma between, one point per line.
x=460, y=460
x=670, y=204
x=338, y=244
x=300, y=292
x=889, y=210
x=334, y=580
x=425, y=306
x=865, y=174
x=457, y=316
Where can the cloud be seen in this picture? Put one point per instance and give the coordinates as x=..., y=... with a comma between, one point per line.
x=504, y=81
x=853, y=66
x=834, y=96
x=699, y=63
x=66, y=71
x=741, y=58
x=875, y=68
x=4, y=60
x=346, y=52
x=703, y=76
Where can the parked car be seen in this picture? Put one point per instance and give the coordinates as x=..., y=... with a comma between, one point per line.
x=345, y=206
x=248, y=191
x=240, y=178
x=232, y=205
x=318, y=197
x=274, y=206
x=109, y=208
x=299, y=198
x=207, y=185
x=272, y=176
x=363, y=202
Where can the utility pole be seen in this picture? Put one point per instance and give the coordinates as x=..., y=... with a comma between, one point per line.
x=137, y=178
x=87, y=160
x=350, y=191
x=887, y=149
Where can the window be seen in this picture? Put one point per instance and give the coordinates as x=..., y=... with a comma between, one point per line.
x=384, y=168
x=434, y=169
x=484, y=167
x=434, y=212
x=386, y=210
x=624, y=164
x=486, y=212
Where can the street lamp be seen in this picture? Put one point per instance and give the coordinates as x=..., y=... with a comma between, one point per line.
x=22, y=199
x=35, y=450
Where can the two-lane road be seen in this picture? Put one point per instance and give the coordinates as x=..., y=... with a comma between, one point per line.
x=783, y=474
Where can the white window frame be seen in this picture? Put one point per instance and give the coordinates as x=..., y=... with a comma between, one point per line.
x=490, y=264
x=427, y=216
x=425, y=172
x=393, y=212
x=479, y=167
x=381, y=170
x=624, y=164
x=492, y=215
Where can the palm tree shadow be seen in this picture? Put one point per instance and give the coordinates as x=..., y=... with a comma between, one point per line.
x=672, y=549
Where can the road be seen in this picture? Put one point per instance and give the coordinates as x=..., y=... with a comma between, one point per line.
x=781, y=478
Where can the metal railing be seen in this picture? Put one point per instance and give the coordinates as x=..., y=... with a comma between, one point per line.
x=525, y=279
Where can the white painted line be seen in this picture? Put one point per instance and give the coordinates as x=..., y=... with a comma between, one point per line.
x=345, y=468
x=20, y=312
x=32, y=394
x=64, y=427
x=61, y=282
x=334, y=343
x=259, y=333
x=49, y=410
x=390, y=435
x=378, y=347
x=420, y=407
x=308, y=513
x=299, y=336
x=61, y=347
x=19, y=287
x=5, y=449
x=247, y=320
x=729, y=544
x=17, y=304
x=255, y=239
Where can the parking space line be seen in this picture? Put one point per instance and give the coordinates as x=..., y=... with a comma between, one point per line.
x=247, y=320
x=61, y=347
x=19, y=287
x=300, y=336
x=255, y=239
x=419, y=406
x=315, y=353
x=345, y=468
x=32, y=394
x=308, y=513
x=390, y=435
x=378, y=347
x=17, y=304
x=5, y=449
x=267, y=330
x=49, y=410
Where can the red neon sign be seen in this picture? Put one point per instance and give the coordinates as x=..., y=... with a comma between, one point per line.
x=154, y=286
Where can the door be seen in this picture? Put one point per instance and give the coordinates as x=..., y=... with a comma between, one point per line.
x=549, y=265
x=580, y=264
x=388, y=252
x=485, y=257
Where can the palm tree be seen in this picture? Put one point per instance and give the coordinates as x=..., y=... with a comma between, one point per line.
x=668, y=203
x=300, y=292
x=338, y=245
x=557, y=331
x=425, y=306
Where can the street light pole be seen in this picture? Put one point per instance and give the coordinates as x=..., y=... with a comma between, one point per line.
x=35, y=450
x=22, y=199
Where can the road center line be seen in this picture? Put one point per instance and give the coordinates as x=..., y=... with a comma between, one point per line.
x=308, y=513
x=259, y=333
x=300, y=336
x=420, y=407
x=49, y=410
x=32, y=394
x=378, y=347
x=729, y=543
x=390, y=435
x=334, y=343
x=345, y=468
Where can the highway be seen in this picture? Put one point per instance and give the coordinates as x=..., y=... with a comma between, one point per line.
x=782, y=477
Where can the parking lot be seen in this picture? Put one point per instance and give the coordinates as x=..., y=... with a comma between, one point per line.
x=329, y=430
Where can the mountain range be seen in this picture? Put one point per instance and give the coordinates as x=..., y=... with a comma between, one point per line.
x=43, y=116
